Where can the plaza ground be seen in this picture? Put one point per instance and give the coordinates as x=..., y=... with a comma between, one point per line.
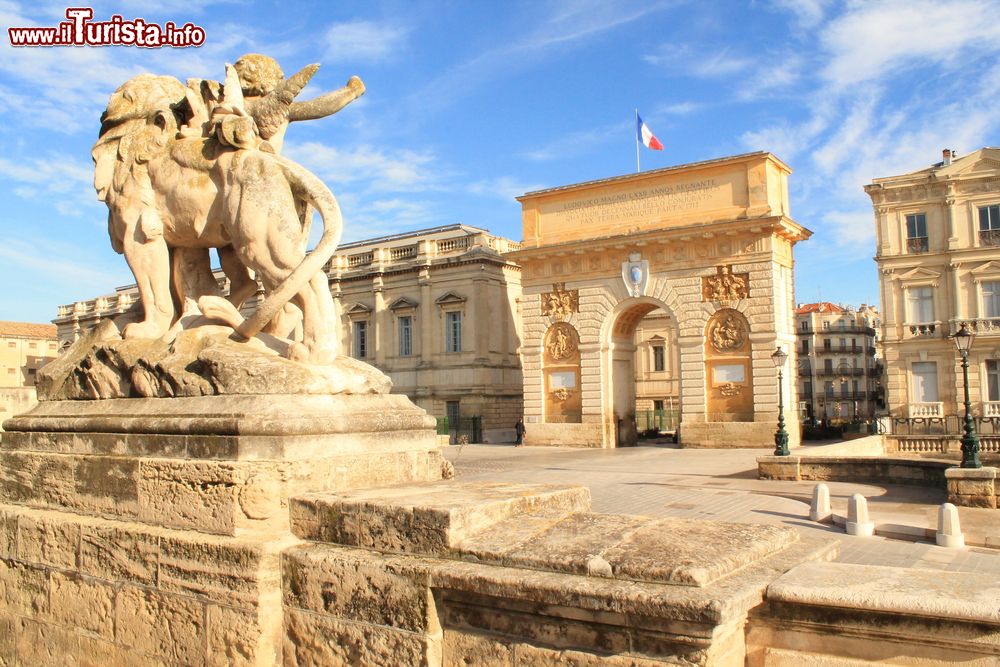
x=722, y=485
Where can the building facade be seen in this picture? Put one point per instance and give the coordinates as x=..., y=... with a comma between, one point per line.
x=24, y=348
x=436, y=310
x=938, y=236
x=839, y=373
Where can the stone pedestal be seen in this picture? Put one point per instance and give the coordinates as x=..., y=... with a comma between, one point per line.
x=148, y=531
x=973, y=487
x=454, y=573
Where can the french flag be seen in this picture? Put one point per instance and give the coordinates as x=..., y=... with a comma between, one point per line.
x=646, y=135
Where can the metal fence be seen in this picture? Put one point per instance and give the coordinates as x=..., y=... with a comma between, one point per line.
x=656, y=420
x=466, y=430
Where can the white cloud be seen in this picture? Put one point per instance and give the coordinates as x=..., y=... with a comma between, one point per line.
x=680, y=108
x=363, y=41
x=808, y=13
x=853, y=231
x=873, y=40
x=504, y=187
x=398, y=170
x=49, y=258
x=576, y=143
x=682, y=59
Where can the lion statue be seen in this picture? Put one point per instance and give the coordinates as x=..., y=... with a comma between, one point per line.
x=184, y=169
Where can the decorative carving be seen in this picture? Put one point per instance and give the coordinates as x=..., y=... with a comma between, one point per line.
x=728, y=333
x=726, y=285
x=561, y=342
x=635, y=274
x=561, y=394
x=730, y=389
x=560, y=302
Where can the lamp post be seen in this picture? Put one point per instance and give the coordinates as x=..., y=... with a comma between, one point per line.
x=970, y=441
x=781, y=435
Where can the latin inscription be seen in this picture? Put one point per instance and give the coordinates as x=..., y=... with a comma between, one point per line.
x=640, y=204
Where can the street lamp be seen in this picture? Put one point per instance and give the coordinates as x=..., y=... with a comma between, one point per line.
x=970, y=442
x=781, y=435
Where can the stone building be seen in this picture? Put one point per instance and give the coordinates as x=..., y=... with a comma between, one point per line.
x=938, y=236
x=24, y=348
x=657, y=373
x=435, y=309
x=839, y=374
x=709, y=244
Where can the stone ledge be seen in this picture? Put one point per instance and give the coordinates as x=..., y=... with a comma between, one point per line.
x=911, y=592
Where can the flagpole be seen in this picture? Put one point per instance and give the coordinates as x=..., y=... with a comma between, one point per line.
x=637, y=140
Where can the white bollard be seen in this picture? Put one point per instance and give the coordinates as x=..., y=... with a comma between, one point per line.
x=819, y=510
x=858, y=522
x=949, y=532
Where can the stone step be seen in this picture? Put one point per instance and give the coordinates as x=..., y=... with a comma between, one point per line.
x=430, y=519
x=537, y=527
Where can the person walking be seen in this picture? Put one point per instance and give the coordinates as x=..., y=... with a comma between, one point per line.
x=519, y=431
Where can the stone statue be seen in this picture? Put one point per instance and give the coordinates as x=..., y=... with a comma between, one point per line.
x=188, y=168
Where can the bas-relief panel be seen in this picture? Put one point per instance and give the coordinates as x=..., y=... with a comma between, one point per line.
x=561, y=357
x=729, y=390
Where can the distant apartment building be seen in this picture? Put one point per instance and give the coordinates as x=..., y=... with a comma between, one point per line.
x=839, y=376
x=435, y=309
x=657, y=373
x=24, y=348
x=938, y=236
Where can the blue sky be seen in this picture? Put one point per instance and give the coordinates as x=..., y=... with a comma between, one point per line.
x=472, y=103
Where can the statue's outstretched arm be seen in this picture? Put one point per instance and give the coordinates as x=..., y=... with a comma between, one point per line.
x=326, y=105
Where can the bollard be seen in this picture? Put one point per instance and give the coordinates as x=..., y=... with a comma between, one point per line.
x=949, y=532
x=857, y=517
x=819, y=510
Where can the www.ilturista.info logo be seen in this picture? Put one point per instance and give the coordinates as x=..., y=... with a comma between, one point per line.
x=79, y=30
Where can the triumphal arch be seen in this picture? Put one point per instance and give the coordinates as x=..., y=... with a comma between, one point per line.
x=709, y=244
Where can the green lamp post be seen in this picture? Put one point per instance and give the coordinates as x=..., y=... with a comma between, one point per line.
x=781, y=435
x=970, y=441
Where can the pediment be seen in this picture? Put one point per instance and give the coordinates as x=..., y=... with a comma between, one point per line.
x=359, y=309
x=657, y=339
x=991, y=267
x=983, y=160
x=919, y=273
x=450, y=298
x=402, y=303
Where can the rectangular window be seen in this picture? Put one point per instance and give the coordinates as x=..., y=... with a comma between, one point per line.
x=828, y=388
x=807, y=388
x=991, y=299
x=405, y=336
x=453, y=332
x=805, y=347
x=827, y=344
x=920, y=305
x=11, y=344
x=826, y=325
x=659, y=358
x=451, y=408
x=32, y=345
x=828, y=366
x=989, y=225
x=804, y=325
x=925, y=386
x=842, y=324
x=916, y=233
x=658, y=405
x=993, y=379
x=360, y=340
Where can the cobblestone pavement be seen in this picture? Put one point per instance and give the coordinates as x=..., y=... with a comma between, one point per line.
x=665, y=481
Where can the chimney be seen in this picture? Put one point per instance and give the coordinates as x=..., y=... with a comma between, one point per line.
x=946, y=157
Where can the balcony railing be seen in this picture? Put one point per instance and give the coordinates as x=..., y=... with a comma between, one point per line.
x=989, y=237
x=991, y=408
x=981, y=325
x=923, y=330
x=840, y=372
x=926, y=409
x=917, y=245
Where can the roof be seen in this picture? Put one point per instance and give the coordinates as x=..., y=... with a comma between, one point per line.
x=653, y=172
x=27, y=330
x=986, y=158
x=819, y=307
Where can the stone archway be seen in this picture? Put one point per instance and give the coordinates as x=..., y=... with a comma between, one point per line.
x=708, y=243
x=619, y=361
